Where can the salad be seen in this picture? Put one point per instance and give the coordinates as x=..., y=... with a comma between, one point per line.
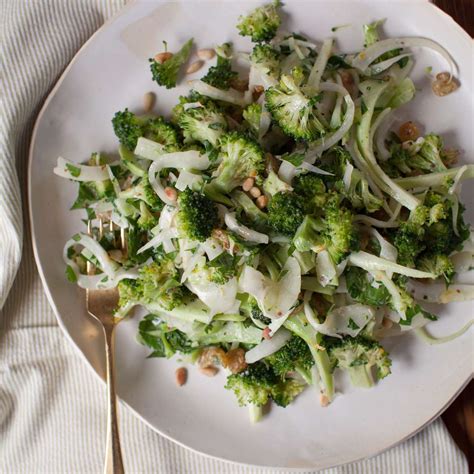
x=279, y=224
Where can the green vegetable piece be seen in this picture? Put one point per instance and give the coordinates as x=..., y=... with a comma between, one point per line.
x=166, y=74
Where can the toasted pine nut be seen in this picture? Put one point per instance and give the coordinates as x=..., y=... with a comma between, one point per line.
x=408, y=132
x=323, y=400
x=163, y=57
x=181, y=376
x=171, y=193
x=257, y=92
x=255, y=192
x=240, y=85
x=262, y=202
x=148, y=101
x=206, y=54
x=195, y=66
x=209, y=371
x=387, y=323
x=247, y=185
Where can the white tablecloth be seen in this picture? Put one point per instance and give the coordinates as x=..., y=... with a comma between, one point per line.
x=52, y=408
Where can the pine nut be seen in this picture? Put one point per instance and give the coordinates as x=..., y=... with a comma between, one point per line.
x=255, y=192
x=148, y=101
x=387, y=323
x=323, y=400
x=163, y=57
x=181, y=376
x=209, y=371
x=171, y=193
x=257, y=92
x=247, y=185
x=195, y=66
x=262, y=202
x=206, y=54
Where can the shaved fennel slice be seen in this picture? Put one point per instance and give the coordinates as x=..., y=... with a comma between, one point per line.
x=344, y=320
x=108, y=266
x=367, y=56
x=325, y=269
x=387, y=250
x=268, y=346
x=425, y=336
x=68, y=169
x=325, y=143
x=275, y=299
x=232, y=96
x=435, y=179
x=373, y=263
x=191, y=159
x=383, y=153
x=320, y=64
x=372, y=90
x=187, y=180
x=243, y=231
x=162, y=236
x=218, y=298
x=438, y=293
x=383, y=65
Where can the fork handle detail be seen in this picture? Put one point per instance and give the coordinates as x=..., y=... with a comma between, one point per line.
x=113, y=454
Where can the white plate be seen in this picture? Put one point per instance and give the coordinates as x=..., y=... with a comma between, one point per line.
x=110, y=73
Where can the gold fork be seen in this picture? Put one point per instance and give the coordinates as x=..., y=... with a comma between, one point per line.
x=101, y=305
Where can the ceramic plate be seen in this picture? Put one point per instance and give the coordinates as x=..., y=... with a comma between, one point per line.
x=110, y=73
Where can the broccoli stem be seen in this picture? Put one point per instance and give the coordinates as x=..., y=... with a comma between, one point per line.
x=361, y=376
x=130, y=162
x=255, y=413
x=321, y=358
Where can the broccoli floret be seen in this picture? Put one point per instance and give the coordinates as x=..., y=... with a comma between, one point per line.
x=359, y=356
x=163, y=340
x=241, y=157
x=266, y=59
x=221, y=75
x=292, y=356
x=161, y=285
x=421, y=156
x=272, y=184
x=164, y=133
x=293, y=111
x=143, y=192
x=340, y=234
x=130, y=295
x=439, y=264
x=166, y=73
x=286, y=212
x=358, y=193
x=310, y=187
x=147, y=220
x=360, y=288
x=252, y=114
x=129, y=127
x=197, y=215
x=334, y=233
x=203, y=124
x=262, y=23
x=259, y=383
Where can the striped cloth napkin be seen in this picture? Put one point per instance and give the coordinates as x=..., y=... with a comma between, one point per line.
x=52, y=416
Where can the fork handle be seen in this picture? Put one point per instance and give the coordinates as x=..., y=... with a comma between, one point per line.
x=113, y=453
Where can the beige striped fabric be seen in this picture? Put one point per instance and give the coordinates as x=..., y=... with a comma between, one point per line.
x=52, y=417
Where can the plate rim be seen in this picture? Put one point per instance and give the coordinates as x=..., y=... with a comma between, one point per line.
x=50, y=95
